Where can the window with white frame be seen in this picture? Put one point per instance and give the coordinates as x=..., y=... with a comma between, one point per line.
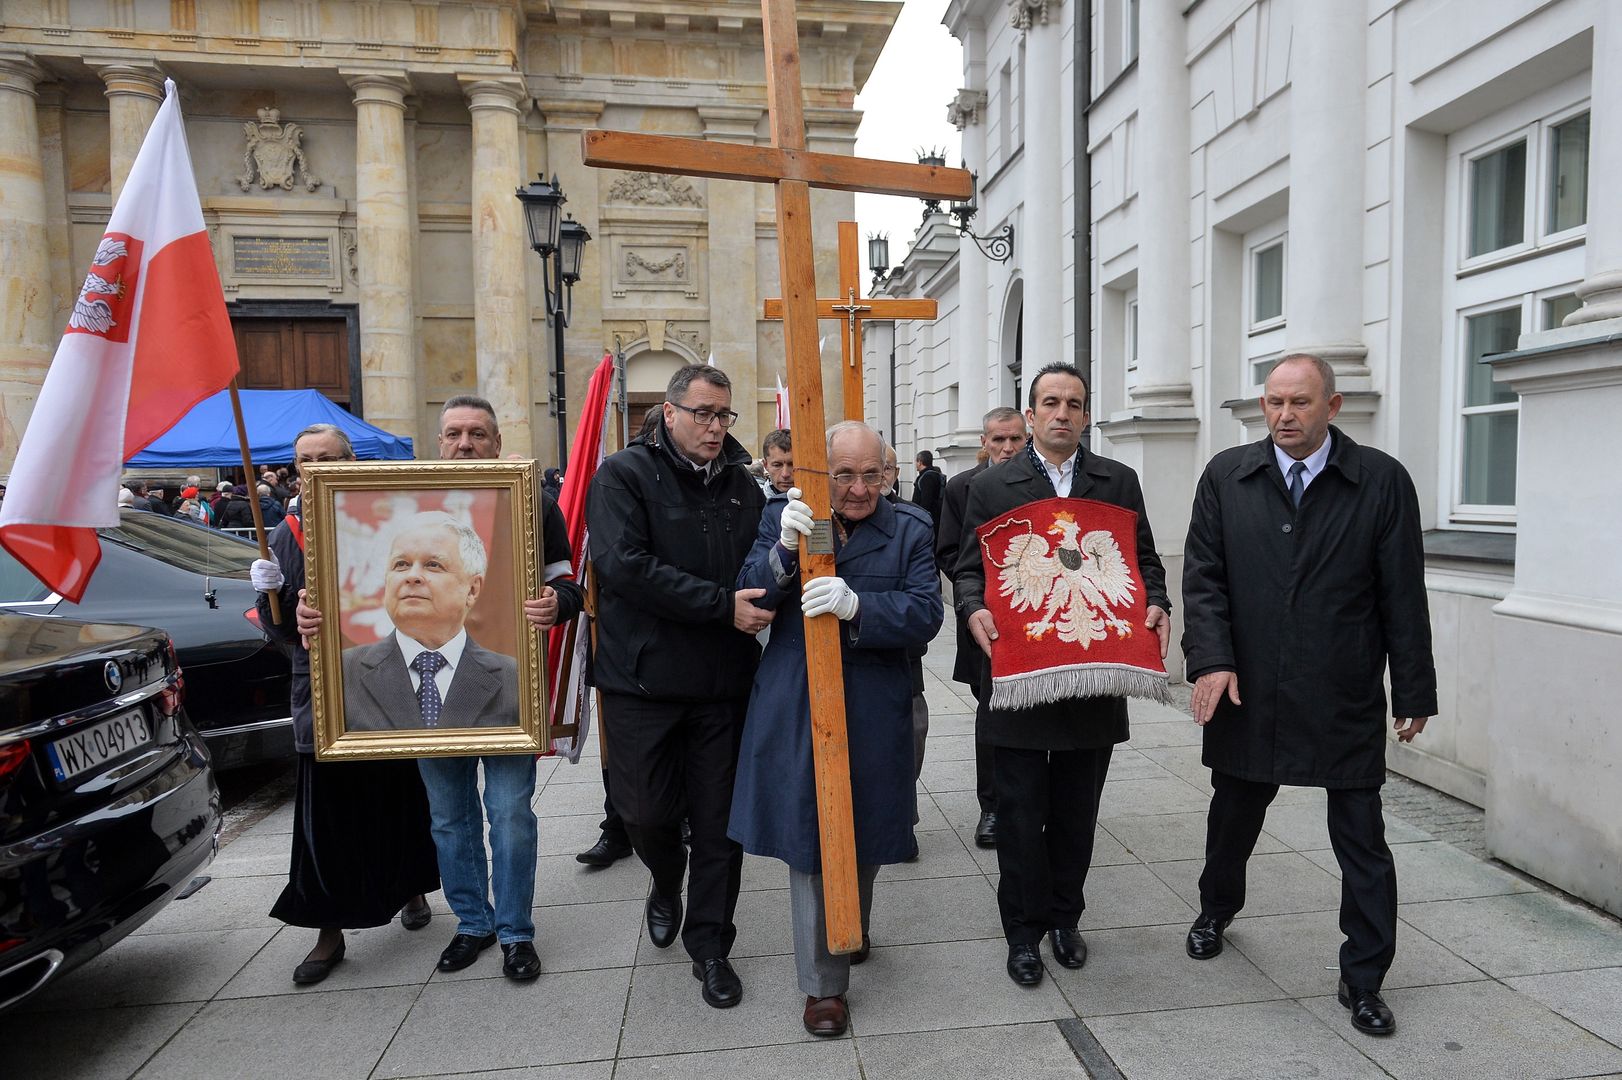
x=1129, y=337
x=1264, y=301
x=1517, y=190
x=1129, y=31
x=1005, y=111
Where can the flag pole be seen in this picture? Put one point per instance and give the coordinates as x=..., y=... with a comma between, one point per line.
x=253, y=497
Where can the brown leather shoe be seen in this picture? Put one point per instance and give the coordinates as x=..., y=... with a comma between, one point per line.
x=826, y=1016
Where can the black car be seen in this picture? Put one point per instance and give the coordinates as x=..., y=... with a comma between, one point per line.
x=108, y=805
x=191, y=582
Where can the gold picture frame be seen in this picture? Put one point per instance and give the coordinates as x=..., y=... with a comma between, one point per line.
x=391, y=548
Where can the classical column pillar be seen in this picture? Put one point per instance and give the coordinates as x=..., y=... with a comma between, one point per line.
x=734, y=306
x=26, y=332
x=1601, y=290
x=388, y=341
x=1324, y=312
x=500, y=286
x=967, y=114
x=1039, y=242
x=134, y=92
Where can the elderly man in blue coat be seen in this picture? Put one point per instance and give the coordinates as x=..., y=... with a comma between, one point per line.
x=886, y=594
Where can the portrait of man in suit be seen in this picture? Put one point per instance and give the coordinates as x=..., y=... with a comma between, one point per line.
x=428, y=673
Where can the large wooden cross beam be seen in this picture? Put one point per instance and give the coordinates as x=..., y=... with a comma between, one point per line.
x=794, y=171
x=852, y=308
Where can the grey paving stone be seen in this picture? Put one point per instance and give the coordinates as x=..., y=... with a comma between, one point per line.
x=587, y=937
x=1274, y=884
x=1302, y=953
x=337, y=1035
x=760, y=873
x=1481, y=1030
x=561, y=772
x=930, y=818
x=762, y=919
x=1165, y=734
x=1306, y=828
x=580, y=1070
x=948, y=747
x=1144, y=967
x=1028, y=1051
x=1107, y=851
x=1127, y=764
x=379, y=956
x=1523, y=934
x=825, y=1059
x=561, y=880
x=946, y=985
x=155, y=968
x=1590, y=998
x=53, y=1046
x=1434, y=870
x=1274, y=1040
x=1170, y=837
x=497, y=1024
x=564, y=800
x=222, y=904
x=1159, y=795
x=279, y=820
x=940, y=854
x=941, y=909
x=254, y=854
x=961, y=809
x=666, y=1015
x=1131, y=895
x=951, y=723
x=943, y=775
x=568, y=835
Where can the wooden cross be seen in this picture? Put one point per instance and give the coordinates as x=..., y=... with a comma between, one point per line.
x=852, y=309
x=794, y=171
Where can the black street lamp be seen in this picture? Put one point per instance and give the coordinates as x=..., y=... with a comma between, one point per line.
x=998, y=246
x=878, y=256
x=561, y=244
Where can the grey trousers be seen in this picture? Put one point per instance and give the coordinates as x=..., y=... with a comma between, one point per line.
x=821, y=973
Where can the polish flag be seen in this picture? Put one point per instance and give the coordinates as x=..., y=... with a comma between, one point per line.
x=148, y=339
x=782, y=406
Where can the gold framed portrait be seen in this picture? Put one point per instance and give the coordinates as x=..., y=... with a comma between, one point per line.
x=420, y=570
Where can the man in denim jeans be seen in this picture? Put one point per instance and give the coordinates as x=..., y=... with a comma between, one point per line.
x=497, y=910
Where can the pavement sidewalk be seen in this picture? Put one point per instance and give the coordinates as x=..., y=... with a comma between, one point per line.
x=1496, y=975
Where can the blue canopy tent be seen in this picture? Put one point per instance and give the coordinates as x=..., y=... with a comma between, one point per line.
x=207, y=436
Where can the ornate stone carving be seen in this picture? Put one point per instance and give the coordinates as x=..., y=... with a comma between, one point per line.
x=654, y=189
x=692, y=337
x=964, y=109
x=675, y=266
x=274, y=150
x=351, y=246
x=1029, y=12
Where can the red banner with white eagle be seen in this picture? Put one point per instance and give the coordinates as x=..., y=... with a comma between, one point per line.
x=1064, y=588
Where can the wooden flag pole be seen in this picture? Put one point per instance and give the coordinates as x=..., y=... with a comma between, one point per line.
x=253, y=497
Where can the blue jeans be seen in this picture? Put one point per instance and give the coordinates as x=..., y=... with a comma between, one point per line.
x=458, y=827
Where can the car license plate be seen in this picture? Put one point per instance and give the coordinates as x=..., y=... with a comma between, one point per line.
x=98, y=744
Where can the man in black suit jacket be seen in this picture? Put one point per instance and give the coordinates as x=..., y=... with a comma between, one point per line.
x=928, y=487
x=1002, y=435
x=1050, y=761
x=379, y=696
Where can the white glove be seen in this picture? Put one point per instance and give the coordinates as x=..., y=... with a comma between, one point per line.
x=266, y=575
x=829, y=594
x=796, y=521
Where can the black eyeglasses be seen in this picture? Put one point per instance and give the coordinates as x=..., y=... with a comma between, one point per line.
x=706, y=417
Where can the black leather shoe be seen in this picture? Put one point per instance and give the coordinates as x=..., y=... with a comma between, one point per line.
x=722, y=987
x=860, y=955
x=605, y=852
x=519, y=961
x=1068, y=947
x=463, y=950
x=1024, y=965
x=985, y=833
x=416, y=918
x=313, y=971
x=664, y=920
x=1370, y=1014
x=1205, y=937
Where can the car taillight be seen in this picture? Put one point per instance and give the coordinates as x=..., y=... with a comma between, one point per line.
x=252, y=615
x=12, y=756
x=173, y=696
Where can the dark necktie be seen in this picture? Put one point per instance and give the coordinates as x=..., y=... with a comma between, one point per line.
x=428, y=700
x=1298, y=482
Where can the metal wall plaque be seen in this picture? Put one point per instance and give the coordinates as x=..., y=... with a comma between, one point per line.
x=282, y=257
x=821, y=540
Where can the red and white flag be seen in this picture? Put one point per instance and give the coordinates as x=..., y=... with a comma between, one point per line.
x=148, y=339
x=782, y=407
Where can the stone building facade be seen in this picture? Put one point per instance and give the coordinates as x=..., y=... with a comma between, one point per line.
x=1402, y=186
x=357, y=161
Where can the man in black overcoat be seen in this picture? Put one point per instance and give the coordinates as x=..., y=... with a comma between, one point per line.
x=1304, y=576
x=1050, y=761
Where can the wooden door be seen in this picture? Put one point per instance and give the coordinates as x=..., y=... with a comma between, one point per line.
x=295, y=354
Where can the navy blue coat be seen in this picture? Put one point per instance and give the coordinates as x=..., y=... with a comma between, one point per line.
x=889, y=561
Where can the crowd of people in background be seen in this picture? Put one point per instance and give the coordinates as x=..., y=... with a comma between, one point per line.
x=225, y=506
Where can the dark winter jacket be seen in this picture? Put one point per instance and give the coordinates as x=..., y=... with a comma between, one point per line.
x=970, y=659
x=236, y=513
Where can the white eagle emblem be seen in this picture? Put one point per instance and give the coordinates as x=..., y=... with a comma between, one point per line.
x=1074, y=586
x=91, y=313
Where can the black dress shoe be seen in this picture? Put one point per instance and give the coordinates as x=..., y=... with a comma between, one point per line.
x=1205, y=937
x=605, y=852
x=1068, y=947
x=985, y=833
x=1024, y=965
x=1370, y=1014
x=416, y=918
x=860, y=955
x=722, y=987
x=313, y=971
x=664, y=920
x=463, y=950
x=519, y=961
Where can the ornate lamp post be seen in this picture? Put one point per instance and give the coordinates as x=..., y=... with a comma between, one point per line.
x=561, y=245
x=878, y=256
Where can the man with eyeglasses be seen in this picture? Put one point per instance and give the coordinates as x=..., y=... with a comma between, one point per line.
x=671, y=518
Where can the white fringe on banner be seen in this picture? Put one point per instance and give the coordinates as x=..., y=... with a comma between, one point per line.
x=1078, y=681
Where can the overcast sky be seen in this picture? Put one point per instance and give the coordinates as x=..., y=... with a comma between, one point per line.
x=904, y=109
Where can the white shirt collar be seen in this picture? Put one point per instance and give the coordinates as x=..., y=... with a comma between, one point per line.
x=410, y=648
x=1314, y=461
x=1061, y=475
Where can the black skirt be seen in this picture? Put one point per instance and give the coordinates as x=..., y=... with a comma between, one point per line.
x=361, y=844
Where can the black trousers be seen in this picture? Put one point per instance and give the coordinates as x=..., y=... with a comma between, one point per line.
x=985, y=788
x=1047, y=814
x=613, y=828
x=1368, y=877
x=668, y=760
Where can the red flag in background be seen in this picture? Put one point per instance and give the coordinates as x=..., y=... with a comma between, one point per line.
x=149, y=338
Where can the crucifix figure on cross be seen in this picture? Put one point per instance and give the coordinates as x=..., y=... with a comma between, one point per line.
x=793, y=171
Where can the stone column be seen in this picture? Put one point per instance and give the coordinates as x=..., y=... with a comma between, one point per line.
x=26, y=332
x=1324, y=290
x=500, y=258
x=1601, y=290
x=134, y=92
x=734, y=307
x=967, y=113
x=1039, y=241
x=388, y=339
